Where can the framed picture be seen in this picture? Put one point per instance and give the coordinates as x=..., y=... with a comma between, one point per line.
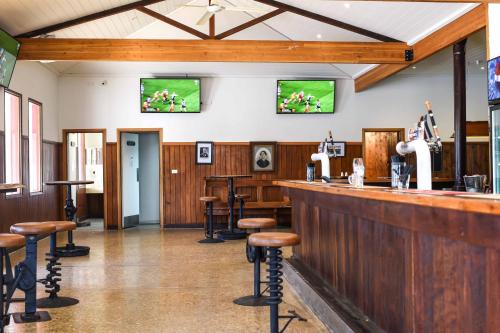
x=204, y=152
x=339, y=148
x=263, y=156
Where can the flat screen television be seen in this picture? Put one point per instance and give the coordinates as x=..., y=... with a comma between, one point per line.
x=170, y=95
x=9, y=48
x=494, y=81
x=305, y=97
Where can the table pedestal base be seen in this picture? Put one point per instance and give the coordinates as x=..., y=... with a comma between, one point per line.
x=55, y=302
x=80, y=224
x=72, y=250
x=231, y=235
x=251, y=300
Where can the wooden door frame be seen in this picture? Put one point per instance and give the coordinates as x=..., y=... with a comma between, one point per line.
x=64, y=172
x=400, y=131
x=119, y=132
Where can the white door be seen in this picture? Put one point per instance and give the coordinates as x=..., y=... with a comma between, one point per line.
x=130, y=182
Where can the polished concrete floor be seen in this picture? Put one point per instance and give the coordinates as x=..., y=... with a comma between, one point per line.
x=147, y=280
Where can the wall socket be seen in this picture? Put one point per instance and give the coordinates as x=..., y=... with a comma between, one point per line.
x=174, y=171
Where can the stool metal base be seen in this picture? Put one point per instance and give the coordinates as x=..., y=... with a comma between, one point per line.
x=231, y=235
x=55, y=302
x=21, y=317
x=210, y=241
x=85, y=223
x=72, y=251
x=251, y=300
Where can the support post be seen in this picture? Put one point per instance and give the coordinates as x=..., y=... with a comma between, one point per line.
x=459, y=85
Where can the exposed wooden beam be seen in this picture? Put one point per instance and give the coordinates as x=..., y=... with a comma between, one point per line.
x=457, y=30
x=174, y=23
x=328, y=20
x=250, y=23
x=436, y=1
x=88, y=18
x=211, y=27
x=211, y=50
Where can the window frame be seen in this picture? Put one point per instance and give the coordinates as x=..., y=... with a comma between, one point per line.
x=19, y=192
x=40, y=104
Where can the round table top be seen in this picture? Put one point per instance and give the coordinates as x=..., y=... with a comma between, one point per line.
x=69, y=182
x=228, y=176
x=4, y=188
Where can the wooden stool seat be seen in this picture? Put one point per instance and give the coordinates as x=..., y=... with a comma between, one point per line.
x=209, y=199
x=11, y=240
x=273, y=239
x=242, y=196
x=33, y=228
x=257, y=223
x=63, y=225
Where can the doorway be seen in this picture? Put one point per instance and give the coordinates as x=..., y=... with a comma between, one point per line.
x=84, y=159
x=140, y=180
x=379, y=144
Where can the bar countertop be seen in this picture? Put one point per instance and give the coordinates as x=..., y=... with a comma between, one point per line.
x=462, y=201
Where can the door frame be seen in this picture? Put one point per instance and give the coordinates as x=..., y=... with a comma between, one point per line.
x=64, y=172
x=119, y=132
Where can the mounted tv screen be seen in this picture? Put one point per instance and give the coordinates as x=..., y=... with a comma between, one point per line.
x=306, y=97
x=9, y=48
x=170, y=95
x=494, y=81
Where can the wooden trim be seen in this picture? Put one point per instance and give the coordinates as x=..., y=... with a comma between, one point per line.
x=87, y=18
x=457, y=30
x=212, y=51
x=174, y=23
x=250, y=23
x=119, y=171
x=64, y=171
x=328, y=20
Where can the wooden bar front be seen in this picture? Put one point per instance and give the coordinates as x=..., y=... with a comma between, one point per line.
x=407, y=261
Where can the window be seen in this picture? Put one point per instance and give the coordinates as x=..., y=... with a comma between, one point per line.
x=12, y=103
x=35, y=145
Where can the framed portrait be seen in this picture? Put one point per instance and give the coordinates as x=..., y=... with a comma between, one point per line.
x=263, y=156
x=339, y=148
x=204, y=152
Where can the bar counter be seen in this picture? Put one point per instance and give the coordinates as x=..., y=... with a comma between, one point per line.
x=394, y=261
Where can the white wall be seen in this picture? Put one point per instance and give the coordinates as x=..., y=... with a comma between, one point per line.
x=494, y=30
x=149, y=178
x=33, y=80
x=243, y=108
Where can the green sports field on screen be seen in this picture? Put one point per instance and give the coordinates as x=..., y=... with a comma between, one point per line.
x=168, y=95
x=306, y=96
x=9, y=48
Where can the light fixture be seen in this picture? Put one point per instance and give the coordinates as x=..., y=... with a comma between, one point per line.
x=319, y=36
x=482, y=68
x=347, y=5
x=414, y=67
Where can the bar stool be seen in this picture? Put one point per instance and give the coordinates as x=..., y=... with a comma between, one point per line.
x=255, y=255
x=31, y=231
x=241, y=198
x=274, y=241
x=53, y=277
x=7, y=241
x=209, y=225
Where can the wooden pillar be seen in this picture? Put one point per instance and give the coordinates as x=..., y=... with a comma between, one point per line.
x=460, y=113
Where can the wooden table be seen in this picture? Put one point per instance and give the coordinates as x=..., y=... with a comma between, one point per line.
x=6, y=188
x=232, y=232
x=399, y=261
x=71, y=250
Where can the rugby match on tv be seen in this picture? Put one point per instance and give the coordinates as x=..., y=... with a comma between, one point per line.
x=163, y=95
x=306, y=96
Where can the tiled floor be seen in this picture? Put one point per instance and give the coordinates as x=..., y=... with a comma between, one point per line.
x=146, y=280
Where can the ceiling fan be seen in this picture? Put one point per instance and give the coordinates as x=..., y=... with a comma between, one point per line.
x=213, y=8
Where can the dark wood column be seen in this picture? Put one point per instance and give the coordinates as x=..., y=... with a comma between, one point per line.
x=460, y=113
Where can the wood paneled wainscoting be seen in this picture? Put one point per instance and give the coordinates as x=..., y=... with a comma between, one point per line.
x=38, y=207
x=182, y=190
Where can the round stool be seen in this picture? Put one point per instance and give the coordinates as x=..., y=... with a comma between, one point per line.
x=53, y=277
x=274, y=241
x=209, y=226
x=31, y=231
x=241, y=198
x=255, y=254
x=7, y=241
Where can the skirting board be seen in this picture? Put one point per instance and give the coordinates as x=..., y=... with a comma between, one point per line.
x=314, y=301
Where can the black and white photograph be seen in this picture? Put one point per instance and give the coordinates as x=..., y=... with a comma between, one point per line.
x=204, y=152
x=339, y=148
x=263, y=156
